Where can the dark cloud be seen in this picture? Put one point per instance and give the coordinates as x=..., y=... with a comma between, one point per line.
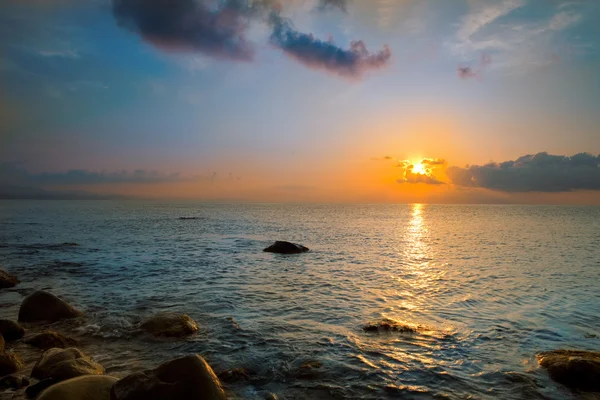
x=325, y=55
x=14, y=174
x=333, y=4
x=433, y=161
x=190, y=25
x=541, y=172
x=410, y=177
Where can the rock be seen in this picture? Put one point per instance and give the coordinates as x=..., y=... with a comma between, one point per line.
x=574, y=369
x=44, y=306
x=1, y=343
x=13, y=382
x=234, y=375
x=32, y=391
x=49, y=339
x=309, y=370
x=286, y=248
x=389, y=325
x=10, y=363
x=183, y=378
x=91, y=387
x=62, y=364
x=11, y=330
x=7, y=280
x=271, y=396
x=170, y=324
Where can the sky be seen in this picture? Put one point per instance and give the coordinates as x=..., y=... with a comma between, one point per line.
x=433, y=101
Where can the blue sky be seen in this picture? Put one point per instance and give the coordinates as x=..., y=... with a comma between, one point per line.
x=279, y=97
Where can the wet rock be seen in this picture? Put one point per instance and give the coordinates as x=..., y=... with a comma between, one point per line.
x=10, y=363
x=7, y=280
x=49, y=339
x=234, y=375
x=309, y=370
x=13, y=382
x=11, y=330
x=271, y=396
x=1, y=343
x=170, y=325
x=92, y=387
x=62, y=364
x=389, y=325
x=44, y=306
x=286, y=248
x=183, y=378
x=574, y=369
x=32, y=391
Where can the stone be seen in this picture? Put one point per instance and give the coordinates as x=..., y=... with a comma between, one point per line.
x=2, y=343
x=234, y=375
x=271, y=396
x=11, y=330
x=389, y=325
x=309, y=370
x=44, y=306
x=32, y=391
x=10, y=363
x=13, y=382
x=286, y=248
x=170, y=325
x=7, y=280
x=62, y=364
x=184, y=378
x=89, y=387
x=575, y=369
x=50, y=339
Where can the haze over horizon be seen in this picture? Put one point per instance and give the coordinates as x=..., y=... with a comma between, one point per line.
x=302, y=100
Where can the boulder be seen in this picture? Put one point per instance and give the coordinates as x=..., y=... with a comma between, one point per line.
x=234, y=375
x=11, y=330
x=573, y=368
x=13, y=382
x=1, y=343
x=390, y=325
x=90, y=387
x=7, y=280
x=44, y=306
x=271, y=396
x=62, y=364
x=10, y=363
x=49, y=339
x=188, y=377
x=286, y=248
x=170, y=325
x=32, y=391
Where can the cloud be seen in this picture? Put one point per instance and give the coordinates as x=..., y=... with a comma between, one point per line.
x=433, y=161
x=467, y=72
x=14, y=174
x=189, y=25
x=425, y=173
x=541, y=172
x=410, y=177
x=326, y=55
x=333, y=4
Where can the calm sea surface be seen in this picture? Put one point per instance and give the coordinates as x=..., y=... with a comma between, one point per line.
x=489, y=287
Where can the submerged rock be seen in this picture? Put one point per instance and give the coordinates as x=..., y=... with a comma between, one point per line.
x=389, y=325
x=49, y=339
x=7, y=280
x=309, y=370
x=14, y=382
x=44, y=306
x=183, y=378
x=573, y=368
x=10, y=363
x=62, y=364
x=92, y=387
x=286, y=248
x=234, y=375
x=170, y=325
x=11, y=330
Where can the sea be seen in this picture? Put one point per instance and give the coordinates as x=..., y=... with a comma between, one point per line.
x=486, y=288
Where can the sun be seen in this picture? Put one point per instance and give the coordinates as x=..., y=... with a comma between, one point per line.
x=419, y=168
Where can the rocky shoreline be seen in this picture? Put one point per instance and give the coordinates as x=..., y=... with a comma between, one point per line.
x=62, y=369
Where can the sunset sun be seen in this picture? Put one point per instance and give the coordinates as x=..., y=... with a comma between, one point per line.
x=419, y=168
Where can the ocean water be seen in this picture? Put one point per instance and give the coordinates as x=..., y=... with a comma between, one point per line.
x=487, y=286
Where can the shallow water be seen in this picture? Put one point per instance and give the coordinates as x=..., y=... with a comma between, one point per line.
x=488, y=286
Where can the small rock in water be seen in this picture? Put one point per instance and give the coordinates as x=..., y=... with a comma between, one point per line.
x=271, y=396
x=10, y=363
x=49, y=339
x=91, y=387
x=573, y=368
x=389, y=325
x=13, y=382
x=62, y=364
x=11, y=330
x=44, y=306
x=309, y=370
x=170, y=325
x=183, y=378
x=234, y=375
x=7, y=280
x=286, y=248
